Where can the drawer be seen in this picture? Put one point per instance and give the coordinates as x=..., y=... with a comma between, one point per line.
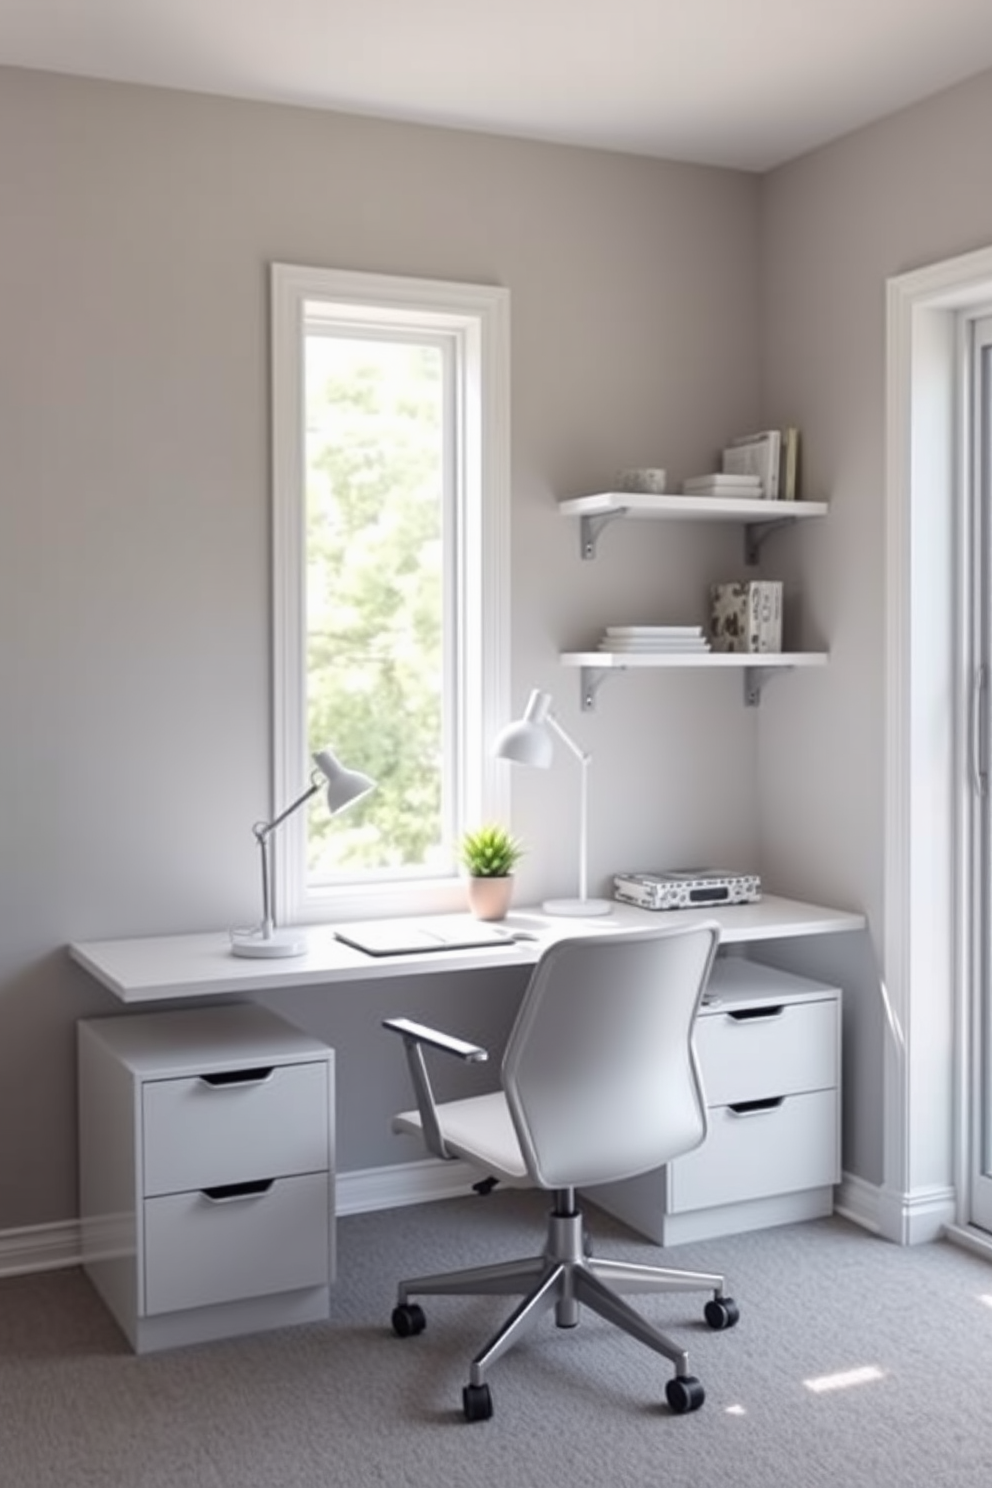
x=200, y=1250
x=265, y=1122
x=783, y=1050
x=752, y=1155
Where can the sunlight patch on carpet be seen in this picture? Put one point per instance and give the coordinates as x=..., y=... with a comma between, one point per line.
x=845, y=1379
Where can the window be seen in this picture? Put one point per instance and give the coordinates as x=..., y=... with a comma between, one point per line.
x=390, y=542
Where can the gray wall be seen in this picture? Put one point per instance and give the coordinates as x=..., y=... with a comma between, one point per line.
x=656, y=309
x=137, y=227
x=909, y=191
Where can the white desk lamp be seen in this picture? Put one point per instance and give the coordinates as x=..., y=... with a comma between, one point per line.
x=344, y=788
x=529, y=742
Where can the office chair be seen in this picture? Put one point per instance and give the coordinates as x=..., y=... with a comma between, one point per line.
x=599, y=1083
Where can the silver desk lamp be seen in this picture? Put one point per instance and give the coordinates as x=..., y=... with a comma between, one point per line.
x=343, y=788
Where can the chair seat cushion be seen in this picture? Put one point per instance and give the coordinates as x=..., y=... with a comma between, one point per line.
x=481, y=1130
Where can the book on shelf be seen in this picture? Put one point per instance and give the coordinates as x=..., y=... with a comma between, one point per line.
x=770, y=620
x=789, y=471
x=720, y=483
x=632, y=639
x=651, y=648
x=756, y=454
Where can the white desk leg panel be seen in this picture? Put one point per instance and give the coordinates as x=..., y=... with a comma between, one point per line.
x=206, y=1158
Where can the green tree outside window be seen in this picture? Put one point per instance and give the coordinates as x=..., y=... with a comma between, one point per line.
x=374, y=595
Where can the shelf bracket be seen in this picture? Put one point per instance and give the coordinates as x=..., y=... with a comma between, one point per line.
x=755, y=679
x=591, y=527
x=591, y=680
x=755, y=534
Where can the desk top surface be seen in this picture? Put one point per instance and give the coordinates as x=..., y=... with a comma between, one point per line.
x=156, y=969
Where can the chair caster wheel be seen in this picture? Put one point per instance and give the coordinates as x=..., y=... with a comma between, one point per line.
x=721, y=1312
x=684, y=1393
x=408, y=1320
x=477, y=1402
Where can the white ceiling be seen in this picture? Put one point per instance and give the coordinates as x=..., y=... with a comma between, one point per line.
x=747, y=83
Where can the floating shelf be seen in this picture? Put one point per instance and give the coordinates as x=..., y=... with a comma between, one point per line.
x=757, y=667
x=759, y=518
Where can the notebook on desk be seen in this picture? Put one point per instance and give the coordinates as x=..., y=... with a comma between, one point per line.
x=429, y=933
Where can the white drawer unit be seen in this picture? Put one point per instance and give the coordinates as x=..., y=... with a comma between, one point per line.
x=206, y=1165
x=768, y=1045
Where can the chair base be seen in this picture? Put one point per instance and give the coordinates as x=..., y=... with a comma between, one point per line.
x=566, y=1277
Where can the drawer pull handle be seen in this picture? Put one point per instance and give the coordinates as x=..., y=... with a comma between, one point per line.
x=758, y=1014
x=225, y=1193
x=222, y=1079
x=757, y=1107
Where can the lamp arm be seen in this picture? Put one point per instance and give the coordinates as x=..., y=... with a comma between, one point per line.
x=565, y=738
x=262, y=832
x=263, y=829
x=583, y=759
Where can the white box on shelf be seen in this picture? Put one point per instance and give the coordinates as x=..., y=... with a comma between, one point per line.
x=648, y=481
x=746, y=616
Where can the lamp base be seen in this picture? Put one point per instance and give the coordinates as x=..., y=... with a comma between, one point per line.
x=577, y=907
x=264, y=947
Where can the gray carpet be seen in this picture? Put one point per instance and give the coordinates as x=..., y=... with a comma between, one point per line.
x=346, y=1403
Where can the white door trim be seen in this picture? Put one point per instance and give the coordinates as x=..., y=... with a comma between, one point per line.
x=925, y=933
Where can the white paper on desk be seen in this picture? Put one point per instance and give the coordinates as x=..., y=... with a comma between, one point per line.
x=426, y=933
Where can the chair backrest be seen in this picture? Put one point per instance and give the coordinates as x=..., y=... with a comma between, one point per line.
x=599, y=1071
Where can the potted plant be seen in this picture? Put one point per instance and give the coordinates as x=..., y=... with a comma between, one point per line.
x=489, y=855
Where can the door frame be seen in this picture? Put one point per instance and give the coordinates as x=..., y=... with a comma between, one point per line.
x=975, y=329
x=928, y=951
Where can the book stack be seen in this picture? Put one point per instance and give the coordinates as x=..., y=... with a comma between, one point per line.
x=772, y=456
x=632, y=640
x=746, y=616
x=722, y=483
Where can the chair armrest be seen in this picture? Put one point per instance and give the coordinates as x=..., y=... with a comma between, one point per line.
x=415, y=1036
x=474, y=1053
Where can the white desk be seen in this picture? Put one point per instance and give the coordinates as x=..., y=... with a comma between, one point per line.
x=158, y=1248
x=154, y=969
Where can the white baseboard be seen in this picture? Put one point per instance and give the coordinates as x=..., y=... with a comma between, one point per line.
x=916, y=1217
x=857, y=1201
x=54, y=1246
x=977, y=1241
x=40, y=1248
x=51, y=1247
x=907, y=1219
x=392, y=1187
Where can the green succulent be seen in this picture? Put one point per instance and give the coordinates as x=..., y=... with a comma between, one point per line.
x=490, y=852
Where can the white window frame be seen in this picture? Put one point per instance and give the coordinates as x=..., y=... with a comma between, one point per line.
x=476, y=318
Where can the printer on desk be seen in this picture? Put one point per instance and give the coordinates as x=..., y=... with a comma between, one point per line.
x=686, y=888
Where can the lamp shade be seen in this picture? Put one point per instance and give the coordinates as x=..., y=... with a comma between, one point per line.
x=344, y=786
x=528, y=741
